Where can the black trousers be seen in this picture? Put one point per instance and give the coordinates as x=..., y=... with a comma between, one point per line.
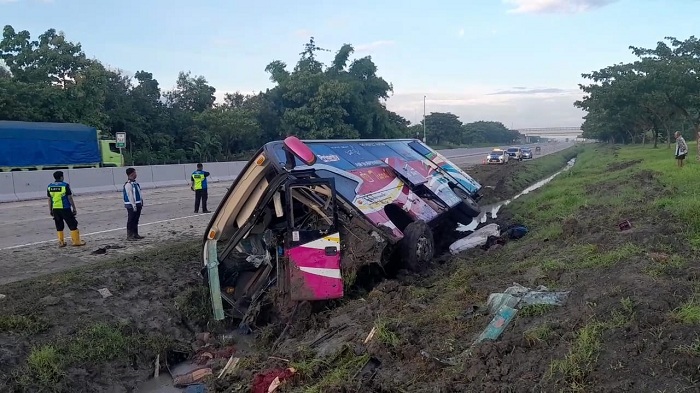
x=132, y=221
x=200, y=195
x=64, y=215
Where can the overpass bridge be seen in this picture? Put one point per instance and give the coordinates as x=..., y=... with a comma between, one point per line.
x=551, y=132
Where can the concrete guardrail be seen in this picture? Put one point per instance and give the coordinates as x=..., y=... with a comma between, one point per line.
x=28, y=185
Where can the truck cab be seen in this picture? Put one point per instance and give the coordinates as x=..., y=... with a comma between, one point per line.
x=111, y=156
x=304, y=216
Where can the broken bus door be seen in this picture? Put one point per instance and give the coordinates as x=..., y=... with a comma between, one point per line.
x=312, y=242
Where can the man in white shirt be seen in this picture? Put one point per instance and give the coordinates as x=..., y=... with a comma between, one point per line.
x=133, y=203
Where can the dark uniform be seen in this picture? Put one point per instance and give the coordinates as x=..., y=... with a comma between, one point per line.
x=63, y=212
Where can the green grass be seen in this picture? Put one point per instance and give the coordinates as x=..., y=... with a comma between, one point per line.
x=322, y=375
x=23, y=324
x=689, y=312
x=99, y=343
x=385, y=333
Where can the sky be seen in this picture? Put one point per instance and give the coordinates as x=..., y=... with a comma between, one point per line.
x=514, y=61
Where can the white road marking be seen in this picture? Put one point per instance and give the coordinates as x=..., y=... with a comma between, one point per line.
x=101, y=232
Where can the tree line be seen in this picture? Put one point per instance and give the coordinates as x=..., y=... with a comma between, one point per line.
x=51, y=79
x=647, y=99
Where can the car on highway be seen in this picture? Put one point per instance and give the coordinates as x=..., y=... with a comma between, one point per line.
x=497, y=156
x=304, y=217
x=515, y=153
x=527, y=152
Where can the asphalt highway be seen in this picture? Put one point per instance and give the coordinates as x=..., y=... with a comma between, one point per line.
x=27, y=223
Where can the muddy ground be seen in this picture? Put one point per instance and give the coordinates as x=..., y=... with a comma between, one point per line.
x=621, y=330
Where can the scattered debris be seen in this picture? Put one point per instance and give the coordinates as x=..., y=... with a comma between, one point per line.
x=489, y=237
x=205, y=356
x=268, y=381
x=505, y=306
x=229, y=367
x=515, y=231
x=370, y=335
x=196, y=388
x=625, y=225
x=500, y=321
x=475, y=239
x=103, y=250
x=105, y=293
x=191, y=377
x=2, y=296
x=100, y=251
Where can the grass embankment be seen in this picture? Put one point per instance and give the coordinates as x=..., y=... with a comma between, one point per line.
x=58, y=334
x=631, y=322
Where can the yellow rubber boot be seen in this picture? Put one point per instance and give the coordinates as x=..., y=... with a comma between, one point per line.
x=75, y=237
x=61, y=241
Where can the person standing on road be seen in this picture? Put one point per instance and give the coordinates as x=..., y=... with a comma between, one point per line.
x=133, y=203
x=681, y=149
x=62, y=209
x=199, y=186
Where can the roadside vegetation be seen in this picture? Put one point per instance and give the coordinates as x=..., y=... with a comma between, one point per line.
x=343, y=98
x=647, y=100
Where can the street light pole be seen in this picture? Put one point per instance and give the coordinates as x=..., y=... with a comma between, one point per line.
x=424, y=139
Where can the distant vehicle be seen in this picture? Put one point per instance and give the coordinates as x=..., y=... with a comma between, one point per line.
x=538, y=150
x=304, y=216
x=527, y=152
x=515, y=152
x=30, y=146
x=497, y=156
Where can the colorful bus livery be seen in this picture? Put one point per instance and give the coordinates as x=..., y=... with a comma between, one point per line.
x=304, y=216
x=459, y=175
x=409, y=158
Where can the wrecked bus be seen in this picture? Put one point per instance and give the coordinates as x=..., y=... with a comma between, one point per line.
x=304, y=216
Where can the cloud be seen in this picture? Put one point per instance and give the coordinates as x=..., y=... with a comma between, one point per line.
x=524, y=90
x=516, y=110
x=8, y=1
x=460, y=32
x=556, y=6
x=372, y=46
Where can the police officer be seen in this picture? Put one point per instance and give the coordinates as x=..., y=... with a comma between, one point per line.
x=133, y=203
x=199, y=186
x=62, y=209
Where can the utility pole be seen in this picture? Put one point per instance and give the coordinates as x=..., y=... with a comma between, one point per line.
x=424, y=139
